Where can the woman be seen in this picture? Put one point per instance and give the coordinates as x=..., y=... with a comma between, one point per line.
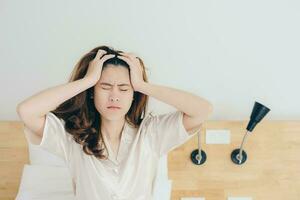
x=97, y=123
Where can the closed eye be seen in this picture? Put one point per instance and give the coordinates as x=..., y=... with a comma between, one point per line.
x=110, y=88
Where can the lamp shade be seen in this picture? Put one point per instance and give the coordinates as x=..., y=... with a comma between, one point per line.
x=259, y=111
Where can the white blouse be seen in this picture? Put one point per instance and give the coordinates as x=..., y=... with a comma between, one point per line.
x=132, y=173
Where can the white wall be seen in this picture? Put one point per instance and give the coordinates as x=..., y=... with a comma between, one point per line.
x=230, y=52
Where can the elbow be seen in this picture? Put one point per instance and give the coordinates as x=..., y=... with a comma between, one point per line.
x=21, y=109
x=205, y=111
x=209, y=110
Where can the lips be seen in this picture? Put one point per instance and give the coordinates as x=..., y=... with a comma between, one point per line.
x=115, y=107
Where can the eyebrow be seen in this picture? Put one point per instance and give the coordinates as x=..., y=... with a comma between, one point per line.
x=123, y=84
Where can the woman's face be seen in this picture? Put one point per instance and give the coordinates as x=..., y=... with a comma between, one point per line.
x=113, y=84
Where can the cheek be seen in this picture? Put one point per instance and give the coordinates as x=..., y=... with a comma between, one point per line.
x=100, y=98
x=129, y=99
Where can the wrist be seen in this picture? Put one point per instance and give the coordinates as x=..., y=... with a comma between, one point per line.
x=88, y=82
x=141, y=87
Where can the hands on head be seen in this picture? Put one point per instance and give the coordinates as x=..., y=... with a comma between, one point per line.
x=136, y=69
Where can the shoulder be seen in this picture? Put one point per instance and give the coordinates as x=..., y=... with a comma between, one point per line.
x=161, y=121
x=57, y=119
x=145, y=123
x=58, y=125
x=165, y=118
x=148, y=119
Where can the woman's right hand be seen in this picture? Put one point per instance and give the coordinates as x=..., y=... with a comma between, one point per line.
x=93, y=73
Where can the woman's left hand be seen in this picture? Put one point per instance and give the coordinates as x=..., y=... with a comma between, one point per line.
x=136, y=69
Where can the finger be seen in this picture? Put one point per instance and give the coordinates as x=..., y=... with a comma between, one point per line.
x=123, y=54
x=130, y=56
x=107, y=56
x=127, y=53
x=99, y=54
x=132, y=59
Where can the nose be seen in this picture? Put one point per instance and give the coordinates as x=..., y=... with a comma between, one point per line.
x=114, y=94
x=114, y=99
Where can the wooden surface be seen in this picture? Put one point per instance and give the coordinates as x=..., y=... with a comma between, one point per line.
x=13, y=156
x=272, y=170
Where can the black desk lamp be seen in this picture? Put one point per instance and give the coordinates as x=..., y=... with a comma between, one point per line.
x=259, y=111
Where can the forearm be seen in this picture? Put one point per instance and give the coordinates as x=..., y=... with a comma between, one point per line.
x=186, y=102
x=49, y=99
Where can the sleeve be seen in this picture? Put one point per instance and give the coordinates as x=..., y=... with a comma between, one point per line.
x=166, y=132
x=55, y=139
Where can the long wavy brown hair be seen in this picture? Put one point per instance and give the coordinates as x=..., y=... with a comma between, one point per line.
x=82, y=120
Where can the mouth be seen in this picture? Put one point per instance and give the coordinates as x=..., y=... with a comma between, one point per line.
x=113, y=107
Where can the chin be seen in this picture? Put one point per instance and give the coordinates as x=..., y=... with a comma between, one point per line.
x=115, y=118
x=113, y=115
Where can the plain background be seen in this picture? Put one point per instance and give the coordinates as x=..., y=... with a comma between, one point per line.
x=230, y=52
